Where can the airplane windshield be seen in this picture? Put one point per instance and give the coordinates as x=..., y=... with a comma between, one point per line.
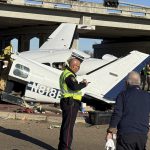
x=21, y=71
x=59, y=65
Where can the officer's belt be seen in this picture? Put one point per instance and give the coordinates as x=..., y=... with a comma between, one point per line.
x=70, y=98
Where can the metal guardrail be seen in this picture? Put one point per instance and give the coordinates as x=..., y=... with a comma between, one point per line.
x=131, y=10
x=121, y=3
x=132, y=5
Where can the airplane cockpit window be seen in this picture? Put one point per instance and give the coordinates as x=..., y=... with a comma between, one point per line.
x=47, y=64
x=21, y=71
x=59, y=65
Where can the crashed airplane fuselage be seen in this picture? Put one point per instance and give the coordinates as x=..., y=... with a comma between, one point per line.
x=36, y=74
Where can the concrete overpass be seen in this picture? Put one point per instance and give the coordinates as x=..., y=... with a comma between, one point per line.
x=20, y=19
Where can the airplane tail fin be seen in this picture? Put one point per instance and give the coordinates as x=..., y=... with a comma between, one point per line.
x=61, y=38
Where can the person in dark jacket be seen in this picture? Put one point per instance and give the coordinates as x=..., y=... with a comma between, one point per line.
x=71, y=97
x=131, y=116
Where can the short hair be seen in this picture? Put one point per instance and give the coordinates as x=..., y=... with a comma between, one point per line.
x=133, y=78
x=71, y=59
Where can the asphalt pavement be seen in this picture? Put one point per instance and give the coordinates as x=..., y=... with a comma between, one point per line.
x=40, y=131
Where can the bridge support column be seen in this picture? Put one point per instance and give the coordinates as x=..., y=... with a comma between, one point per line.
x=85, y=20
x=23, y=43
x=1, y=45
x=42, y=39
x=120, y=48
x=5, y=42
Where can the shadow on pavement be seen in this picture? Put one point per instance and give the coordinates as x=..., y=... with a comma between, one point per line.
x=19, y=135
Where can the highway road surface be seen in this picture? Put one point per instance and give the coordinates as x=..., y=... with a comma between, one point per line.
x=42, y=135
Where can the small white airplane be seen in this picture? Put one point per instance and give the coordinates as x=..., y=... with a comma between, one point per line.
x=36, y=73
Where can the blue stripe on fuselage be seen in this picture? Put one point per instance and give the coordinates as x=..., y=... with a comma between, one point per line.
x=112, y=94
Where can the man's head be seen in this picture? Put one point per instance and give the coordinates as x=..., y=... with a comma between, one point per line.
x=133, y=78
x=74, y=64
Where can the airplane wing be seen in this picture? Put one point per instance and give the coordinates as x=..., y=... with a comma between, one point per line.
x=61, y=38
x=109, y=80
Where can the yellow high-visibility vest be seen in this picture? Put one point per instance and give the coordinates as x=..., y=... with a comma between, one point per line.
x=148, y=72
x=6, y=52
x=65, y=91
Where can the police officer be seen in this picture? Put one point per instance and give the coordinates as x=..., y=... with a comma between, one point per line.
x=5, y=63
x=70, y=102
x=6, y=52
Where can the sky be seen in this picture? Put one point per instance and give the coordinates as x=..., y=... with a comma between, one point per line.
x=86, y=44
x=140, y=2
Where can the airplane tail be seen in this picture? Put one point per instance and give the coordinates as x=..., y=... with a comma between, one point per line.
x=61, y=38
x=109, y=80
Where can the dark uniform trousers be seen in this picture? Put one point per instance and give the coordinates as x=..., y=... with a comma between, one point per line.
x=131, y=142
x=70, y=109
